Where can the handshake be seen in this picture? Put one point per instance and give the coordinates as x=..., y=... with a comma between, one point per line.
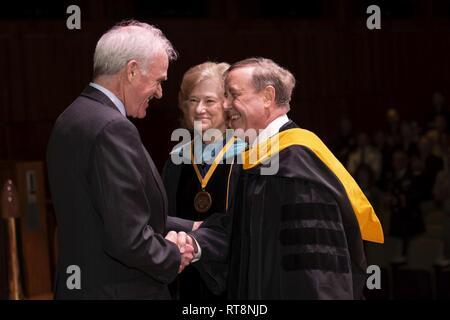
x=186, y=244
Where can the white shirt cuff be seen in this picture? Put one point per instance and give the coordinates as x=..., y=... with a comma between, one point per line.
x=198, y=254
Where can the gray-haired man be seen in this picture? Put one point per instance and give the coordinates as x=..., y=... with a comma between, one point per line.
x=109, y=199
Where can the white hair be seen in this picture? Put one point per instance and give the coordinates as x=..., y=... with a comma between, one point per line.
x=129, y=40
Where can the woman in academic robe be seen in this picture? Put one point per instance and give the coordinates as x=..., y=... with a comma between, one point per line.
x=201, y=174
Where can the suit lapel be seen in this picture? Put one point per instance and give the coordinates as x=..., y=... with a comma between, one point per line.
x=97, y=95
x=157, y=178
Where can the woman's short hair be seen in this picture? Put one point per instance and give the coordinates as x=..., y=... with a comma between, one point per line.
x=126, y=41
x=195, y=75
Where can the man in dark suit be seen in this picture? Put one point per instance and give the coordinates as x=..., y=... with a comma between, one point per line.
x=110, y=203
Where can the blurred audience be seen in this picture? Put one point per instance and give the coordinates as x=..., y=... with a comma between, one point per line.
x=404, y=170
x=365, y=153
x=345, y=140
x=441, y=192
x=404, y=194
x=439, y=108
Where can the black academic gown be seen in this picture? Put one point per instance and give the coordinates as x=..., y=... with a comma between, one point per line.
x=294, y=234
x=197, y=281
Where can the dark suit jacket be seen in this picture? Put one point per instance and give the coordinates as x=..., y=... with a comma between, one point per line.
x=110, y=204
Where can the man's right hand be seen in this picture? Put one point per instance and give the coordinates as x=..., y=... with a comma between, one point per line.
x=185, y=245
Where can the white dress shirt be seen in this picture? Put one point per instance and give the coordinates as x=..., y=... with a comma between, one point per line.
x=272, y=129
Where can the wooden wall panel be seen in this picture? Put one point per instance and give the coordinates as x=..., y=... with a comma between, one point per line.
x=4, y=143
x=32, y=233
x=53, y=76
x=4, y=285
x=6, y=87
x=16, y=76
x=340, y=68
x=33, y=227
x=18, y=139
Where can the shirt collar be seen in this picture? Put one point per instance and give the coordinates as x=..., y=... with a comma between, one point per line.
x=119, y=105
x=272, y=129
x=208, y=151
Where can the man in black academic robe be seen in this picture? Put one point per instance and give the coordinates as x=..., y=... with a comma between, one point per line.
x=299, y=218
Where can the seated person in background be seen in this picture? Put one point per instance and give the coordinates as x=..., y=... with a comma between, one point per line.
x=405, y=187
x=441, y=193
